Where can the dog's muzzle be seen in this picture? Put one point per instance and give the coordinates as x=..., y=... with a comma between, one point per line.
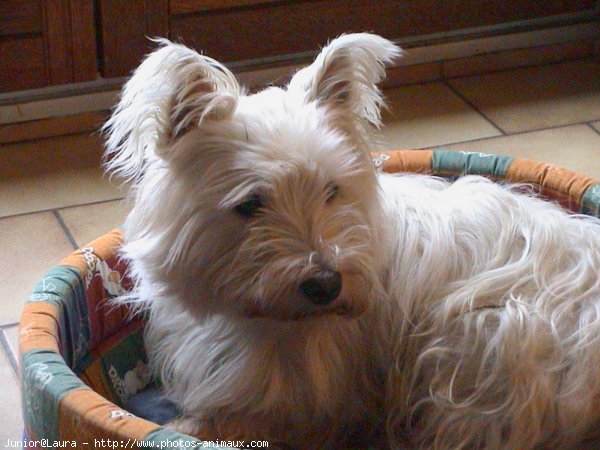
x=323, y=287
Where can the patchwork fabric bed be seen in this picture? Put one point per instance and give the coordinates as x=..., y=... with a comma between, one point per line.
x=84, y=372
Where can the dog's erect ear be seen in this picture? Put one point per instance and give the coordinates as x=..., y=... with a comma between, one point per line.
x=345, y=74
x=173, y=91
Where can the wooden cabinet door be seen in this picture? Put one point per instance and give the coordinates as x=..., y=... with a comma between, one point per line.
x=273, y=29
x=264, y=31
x=126, y=26
x=46, y=42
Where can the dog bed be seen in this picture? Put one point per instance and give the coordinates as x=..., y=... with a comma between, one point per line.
x=84, y=372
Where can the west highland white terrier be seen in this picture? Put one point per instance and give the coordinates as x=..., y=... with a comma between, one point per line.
x=294, y=294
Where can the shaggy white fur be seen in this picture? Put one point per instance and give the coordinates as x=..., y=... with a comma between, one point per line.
x=495, y=299
x=463, y=315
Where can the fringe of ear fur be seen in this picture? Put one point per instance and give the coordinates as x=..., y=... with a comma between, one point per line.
x=347, y=71
x=173, y=90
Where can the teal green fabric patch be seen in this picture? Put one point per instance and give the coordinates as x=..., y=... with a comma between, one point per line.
x=64, y=287
x=466, y=163
x=61, y=282
x=163, y=438
x=590, y=202
x=45, y=381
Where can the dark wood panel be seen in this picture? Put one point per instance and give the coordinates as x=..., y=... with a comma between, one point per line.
x=157, y=18
x=126, y=26
x=269, y=30
x=22, y=63
x=52, y=127
x=57, y=36
x=20, y=17
x=83, y=40
x=192, y=6
x=252, y=29
x=63, y=49
x=51, y=155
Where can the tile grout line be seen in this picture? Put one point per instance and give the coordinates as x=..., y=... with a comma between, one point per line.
x=65, y=229
x=592, y=127
x=517, y=133
x=4, y=345
x=504, y=134
x=472, y=106
x=99, y=202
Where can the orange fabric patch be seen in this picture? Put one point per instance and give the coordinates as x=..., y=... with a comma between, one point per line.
x=104, y=247
x=408, y=161
x=39, y=327
x=84, y=416
x=562, y=185
x=93, y=377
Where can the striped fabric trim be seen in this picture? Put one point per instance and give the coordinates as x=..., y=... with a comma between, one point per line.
x=56, y=335
x=57, y=332
x=574, y=191
x=561, y=185
x=46, y=379
x=85, y=415
x=64, y=288
x=590, y=203
x=404, y=161
x=104, y=247
x=39, y=328
x=463, y=163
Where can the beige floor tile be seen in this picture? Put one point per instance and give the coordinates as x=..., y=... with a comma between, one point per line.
x=90, y=221
x=12, y=337
x=536, y=97
x=29, y=246
x=11, y=421
x=596, y=125
x=575, y=147
x=427, y=115
x=22, y=195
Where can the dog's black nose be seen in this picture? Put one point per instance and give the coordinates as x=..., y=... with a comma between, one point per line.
x=323, y=287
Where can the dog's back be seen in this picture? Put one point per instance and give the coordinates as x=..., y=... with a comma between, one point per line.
x=498, y=301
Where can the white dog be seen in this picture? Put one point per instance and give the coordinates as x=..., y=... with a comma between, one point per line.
x=295, y=295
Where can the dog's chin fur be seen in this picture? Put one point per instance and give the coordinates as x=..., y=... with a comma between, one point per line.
x=469, y=312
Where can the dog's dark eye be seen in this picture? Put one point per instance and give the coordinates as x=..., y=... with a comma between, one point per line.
x=250, y=207
x=332, y=192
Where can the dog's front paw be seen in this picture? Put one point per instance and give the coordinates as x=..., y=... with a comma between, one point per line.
x=191, y=426
x=209, y=430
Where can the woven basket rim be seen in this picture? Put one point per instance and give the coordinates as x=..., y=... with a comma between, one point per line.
x=40, y=333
